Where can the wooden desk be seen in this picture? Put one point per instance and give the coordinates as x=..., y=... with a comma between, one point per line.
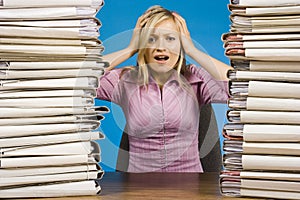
x=157, y=186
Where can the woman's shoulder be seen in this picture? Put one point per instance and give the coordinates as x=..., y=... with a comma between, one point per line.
x=194, y=69
x=194, y=73
x=127, y=73
x=198, y=74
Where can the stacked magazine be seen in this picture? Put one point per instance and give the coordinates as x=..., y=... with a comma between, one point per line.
x=262, y=149
x=50, y=63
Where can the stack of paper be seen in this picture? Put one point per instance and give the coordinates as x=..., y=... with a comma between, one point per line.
x=262, y=149
x=50, y=63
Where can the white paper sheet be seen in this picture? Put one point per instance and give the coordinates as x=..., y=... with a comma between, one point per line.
x=45, y=161
x=275, y=21
x=270, y=175
x=41, y=13
x=38, y=13
x=265, y=29
x=41, y=41
x=268, y=76
x=269, y=117
x=44, y=129
x=259, y=162
x=80, y=188
x=48, y=102
x=63, y=83
x=271, y=44
x=38, y=112
x=29, y=171
x=258, y=22
x=37, y=3
x=268, y=3
x=274, y=89
x=274, y=29
x=284, y=104
x=268, y=194
x=279, y=133
x=281, y=10
x=43, y=49
x=274, y=66
x=73, y=148
x=49, y=120
x=49, y=32
x=54, y=65
x=50, y=139
x=92, y=22
x=273, y=54
x=271, y=148
x=277, y=36
x=47, y=93
x=63, y=73
x=23, y=181
x=272, y=185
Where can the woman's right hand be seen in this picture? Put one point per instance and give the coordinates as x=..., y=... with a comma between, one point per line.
x=120, y=56
x=134, y=42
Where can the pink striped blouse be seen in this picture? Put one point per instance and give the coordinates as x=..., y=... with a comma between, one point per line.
x=162, y=125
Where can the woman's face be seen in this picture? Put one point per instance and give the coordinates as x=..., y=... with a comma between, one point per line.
x=163, y=47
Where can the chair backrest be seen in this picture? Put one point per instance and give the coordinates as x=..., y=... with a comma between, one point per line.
x=123, y=154
x=209, y=140
x=209, y=143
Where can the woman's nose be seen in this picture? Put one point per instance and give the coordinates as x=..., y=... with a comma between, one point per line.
x=160, y=45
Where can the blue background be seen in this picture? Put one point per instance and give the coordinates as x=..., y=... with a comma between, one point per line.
x=206, y=20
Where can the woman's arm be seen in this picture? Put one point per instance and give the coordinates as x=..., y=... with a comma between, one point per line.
x=215, y=67
x=120, y=56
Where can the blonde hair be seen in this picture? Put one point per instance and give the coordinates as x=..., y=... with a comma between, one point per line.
x=156, y=14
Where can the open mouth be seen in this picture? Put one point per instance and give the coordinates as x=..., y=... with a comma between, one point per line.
x=161, y=58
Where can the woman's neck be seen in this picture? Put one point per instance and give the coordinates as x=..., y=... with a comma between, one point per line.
x=161, y=78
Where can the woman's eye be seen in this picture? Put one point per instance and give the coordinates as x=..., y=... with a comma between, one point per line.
x=151, y=40
x=170, y=38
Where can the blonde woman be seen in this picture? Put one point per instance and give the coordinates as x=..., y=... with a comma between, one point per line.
x=161, y=96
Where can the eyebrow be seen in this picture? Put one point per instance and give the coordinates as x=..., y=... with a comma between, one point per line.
x=155, y=34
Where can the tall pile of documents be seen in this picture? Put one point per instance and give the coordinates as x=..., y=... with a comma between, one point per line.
x=50, y=63
x=262, y=149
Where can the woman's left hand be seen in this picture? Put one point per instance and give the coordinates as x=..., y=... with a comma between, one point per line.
x=215, y=67
x=186, y=40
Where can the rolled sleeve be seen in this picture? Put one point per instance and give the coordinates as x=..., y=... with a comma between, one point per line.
x=214, y=91
x=108, y=86
x=209, y=89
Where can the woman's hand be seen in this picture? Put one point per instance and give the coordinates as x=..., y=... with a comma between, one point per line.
x=215, y=67
x=133, y=45
x=186, y=40
x=142, y=20
x=120, y=56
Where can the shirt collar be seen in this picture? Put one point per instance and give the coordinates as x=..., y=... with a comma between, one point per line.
x=190, y=76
